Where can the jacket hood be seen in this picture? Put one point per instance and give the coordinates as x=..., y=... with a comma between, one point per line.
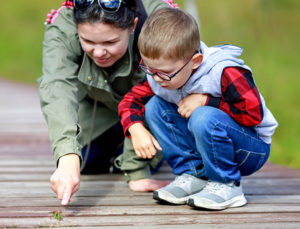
x=215, y=55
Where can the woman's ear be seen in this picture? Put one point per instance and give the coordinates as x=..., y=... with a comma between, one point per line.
x=197, y=60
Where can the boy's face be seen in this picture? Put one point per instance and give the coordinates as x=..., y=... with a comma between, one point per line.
x=169, y=67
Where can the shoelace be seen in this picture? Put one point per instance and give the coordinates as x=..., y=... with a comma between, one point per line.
x=214, y=187
x=181, y=180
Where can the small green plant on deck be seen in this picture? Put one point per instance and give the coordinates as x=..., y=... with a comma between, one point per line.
x=57, y=215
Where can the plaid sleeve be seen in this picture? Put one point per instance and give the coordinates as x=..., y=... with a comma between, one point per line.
x=240, y=97
x=132, y=107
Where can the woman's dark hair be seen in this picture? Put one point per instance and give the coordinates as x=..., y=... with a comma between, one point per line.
x=123, y=18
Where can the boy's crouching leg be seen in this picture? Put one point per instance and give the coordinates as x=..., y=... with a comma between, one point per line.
x=230, y=150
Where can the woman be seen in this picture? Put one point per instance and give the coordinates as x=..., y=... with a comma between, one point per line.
x=89, y=63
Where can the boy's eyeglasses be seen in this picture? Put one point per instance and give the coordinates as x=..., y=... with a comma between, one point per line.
x=106, y=5
x=163, y=75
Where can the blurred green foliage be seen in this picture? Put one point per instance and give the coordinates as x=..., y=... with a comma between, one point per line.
x=268, y=30
x=21, y=37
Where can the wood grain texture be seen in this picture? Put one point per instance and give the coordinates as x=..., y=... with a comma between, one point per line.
x=105, y=201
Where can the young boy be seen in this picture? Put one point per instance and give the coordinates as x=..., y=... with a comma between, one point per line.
x=205, y=114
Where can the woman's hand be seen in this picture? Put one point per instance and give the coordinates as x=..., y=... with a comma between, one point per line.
x=188, y=104
x=65, y=181
x=144, y=144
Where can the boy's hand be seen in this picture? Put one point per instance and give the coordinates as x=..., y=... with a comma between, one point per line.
x=144, y=143
x=188, y=104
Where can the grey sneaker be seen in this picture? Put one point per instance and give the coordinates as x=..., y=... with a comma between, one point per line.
x=218, y=196
x=179, y=190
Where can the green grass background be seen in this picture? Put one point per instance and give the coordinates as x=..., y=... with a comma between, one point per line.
x=268, y=30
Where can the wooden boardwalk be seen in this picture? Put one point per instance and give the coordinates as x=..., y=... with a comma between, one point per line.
x=104, y=201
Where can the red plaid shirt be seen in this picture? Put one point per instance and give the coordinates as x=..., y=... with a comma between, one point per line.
x=240, y=99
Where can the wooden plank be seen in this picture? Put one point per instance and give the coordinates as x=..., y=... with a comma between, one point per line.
x=120, y=188
x=29, y=169
x=89, y=181
x=38, y=161
x=156, y=209
x=286, y=225
x=100, y=188
x=154, y=220
x=119, y=193
x=46, y=184
x=46, y=159
x=31, y=149
x=126, y=200
x=52, y=201
x=43, y=163
x=43, y=177
x=271, y=170
x=24, y=137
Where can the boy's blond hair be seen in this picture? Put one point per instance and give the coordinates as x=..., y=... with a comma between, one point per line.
x=169, y=33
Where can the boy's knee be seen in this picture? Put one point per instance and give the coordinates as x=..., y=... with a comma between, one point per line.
x=203, y=119
x=154, y=107
x=151, y=108
x=152, y=103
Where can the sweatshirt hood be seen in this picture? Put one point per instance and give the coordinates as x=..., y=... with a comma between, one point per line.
x=216, y=55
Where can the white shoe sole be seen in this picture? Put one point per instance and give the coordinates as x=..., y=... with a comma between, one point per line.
x=167, y=197
x=199, y=202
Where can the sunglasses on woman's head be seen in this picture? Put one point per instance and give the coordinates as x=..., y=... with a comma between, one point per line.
x=106, y=5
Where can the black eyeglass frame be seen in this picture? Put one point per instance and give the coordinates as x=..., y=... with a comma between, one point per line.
x=101, y=3
x=168, y=77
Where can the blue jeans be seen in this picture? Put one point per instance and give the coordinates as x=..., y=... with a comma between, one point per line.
x=209, y=144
